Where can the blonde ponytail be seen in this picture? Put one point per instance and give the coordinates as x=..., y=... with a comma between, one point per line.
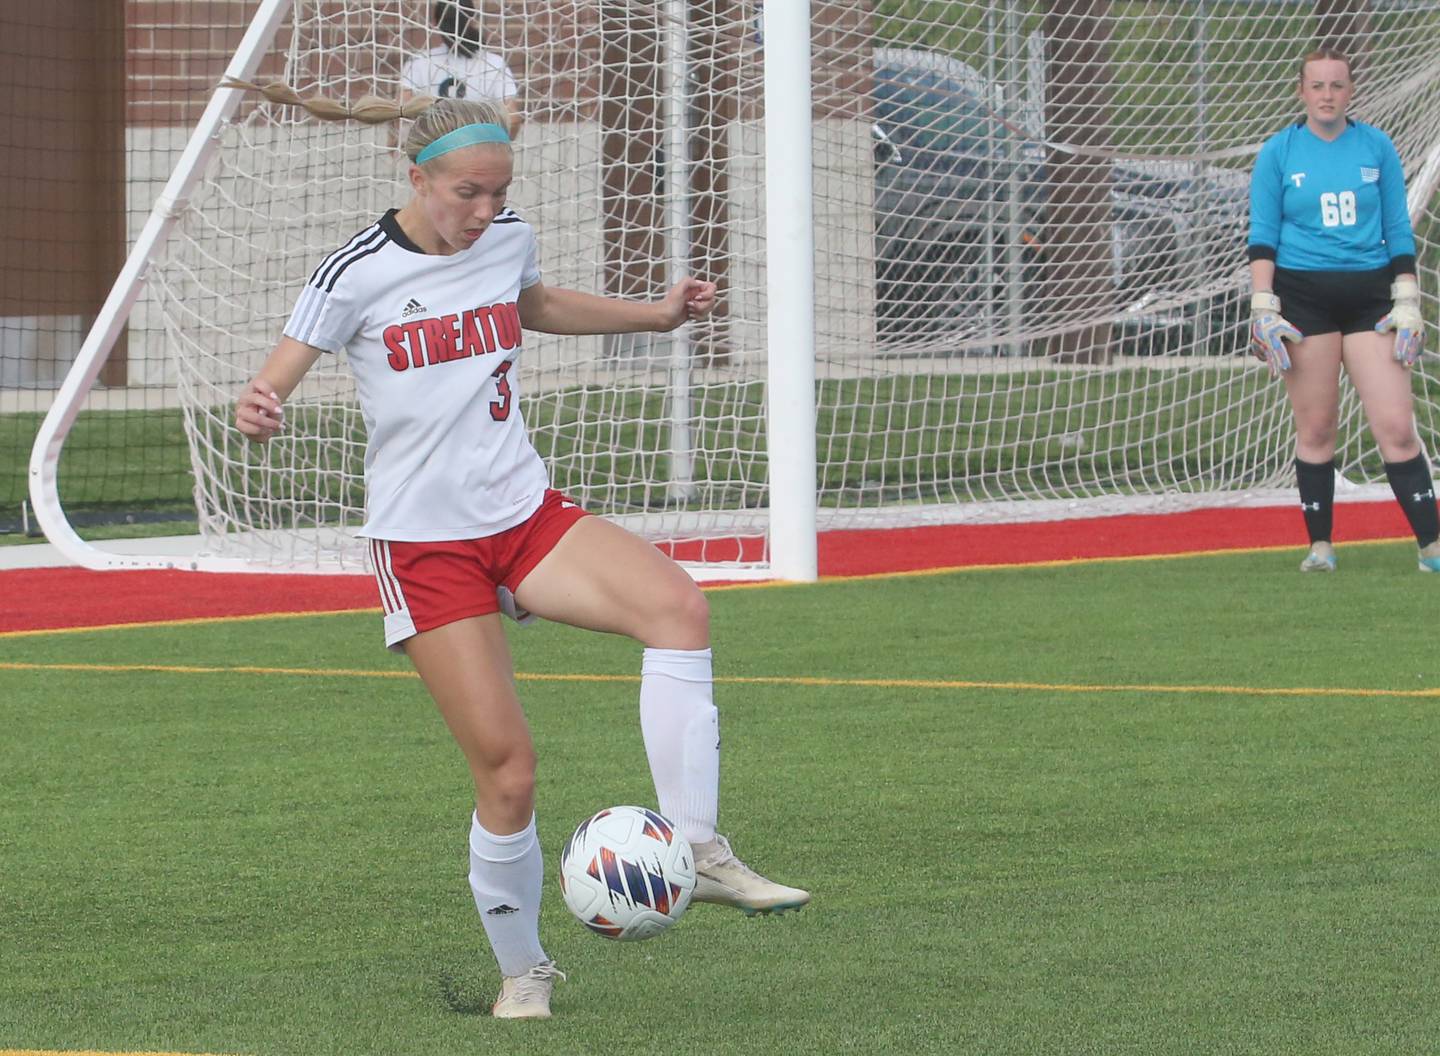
x=369, y=110
x=433, y=117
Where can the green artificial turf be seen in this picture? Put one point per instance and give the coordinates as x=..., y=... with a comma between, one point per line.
x=273, y=862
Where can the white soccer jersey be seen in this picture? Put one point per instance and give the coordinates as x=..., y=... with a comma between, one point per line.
x=449, y=74
x=433, y=342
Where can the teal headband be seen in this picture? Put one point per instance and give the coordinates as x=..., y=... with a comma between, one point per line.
x=465, y=136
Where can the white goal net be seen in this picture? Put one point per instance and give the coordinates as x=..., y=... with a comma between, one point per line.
x=1029, y=277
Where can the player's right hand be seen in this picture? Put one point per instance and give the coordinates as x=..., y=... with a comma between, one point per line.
x=259, y=414
x=1269, y=331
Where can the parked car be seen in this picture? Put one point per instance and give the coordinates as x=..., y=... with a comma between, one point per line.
x=957, y=262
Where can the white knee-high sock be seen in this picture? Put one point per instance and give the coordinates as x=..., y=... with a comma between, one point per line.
x=506, y=874
x=682, y=737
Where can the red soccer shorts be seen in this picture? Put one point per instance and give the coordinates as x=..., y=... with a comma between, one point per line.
x=427, y=585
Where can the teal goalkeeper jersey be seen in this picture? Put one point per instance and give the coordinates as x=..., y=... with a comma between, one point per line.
x=1336, y=206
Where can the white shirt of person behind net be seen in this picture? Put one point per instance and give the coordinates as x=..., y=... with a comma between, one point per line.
x=451, y=75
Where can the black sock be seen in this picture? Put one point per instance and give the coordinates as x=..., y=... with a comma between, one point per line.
x=1317, y=497
x=1414, y=490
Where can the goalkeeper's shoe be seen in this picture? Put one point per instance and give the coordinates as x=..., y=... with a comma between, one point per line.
x=1321, y=558
x=1430, y=557
x=527, y=996
x=725, y=880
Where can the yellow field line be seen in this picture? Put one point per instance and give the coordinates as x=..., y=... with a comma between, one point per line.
x=88, y=1052
x=771, y=680
x=944, y=570
x=190, y=622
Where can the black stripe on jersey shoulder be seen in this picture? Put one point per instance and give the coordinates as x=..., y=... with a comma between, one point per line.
x=508, y=216
x=362, y=245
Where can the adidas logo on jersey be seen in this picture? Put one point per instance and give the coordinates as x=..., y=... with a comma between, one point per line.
x=1369, y=175
x=413, y=307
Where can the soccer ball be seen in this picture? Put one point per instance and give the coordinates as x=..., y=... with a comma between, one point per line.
x=627, y=874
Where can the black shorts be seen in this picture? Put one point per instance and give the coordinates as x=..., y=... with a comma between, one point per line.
x=1322, y=302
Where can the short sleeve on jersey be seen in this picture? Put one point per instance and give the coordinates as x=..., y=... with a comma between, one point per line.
x=531, y=275
x=326, y=315
x=326, y=321
x=510, y=88
x=412, y=74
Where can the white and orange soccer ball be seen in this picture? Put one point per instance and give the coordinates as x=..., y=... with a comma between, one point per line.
x=626, y=873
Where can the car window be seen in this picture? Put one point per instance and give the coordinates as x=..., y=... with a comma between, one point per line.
x=924, y=109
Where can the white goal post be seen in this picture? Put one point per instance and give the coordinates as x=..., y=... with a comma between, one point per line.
x=977, y=260
x=70, y=399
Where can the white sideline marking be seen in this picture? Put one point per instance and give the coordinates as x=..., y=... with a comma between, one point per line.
x=48, y=555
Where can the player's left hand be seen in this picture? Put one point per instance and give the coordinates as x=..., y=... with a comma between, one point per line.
x=1405, y=319
x=689, y=300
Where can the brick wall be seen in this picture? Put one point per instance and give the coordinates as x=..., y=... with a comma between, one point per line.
x=175, y=55
x=177, y=50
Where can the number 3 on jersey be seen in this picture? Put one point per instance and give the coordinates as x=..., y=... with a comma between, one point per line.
x=1337, y=210
x=500, y=409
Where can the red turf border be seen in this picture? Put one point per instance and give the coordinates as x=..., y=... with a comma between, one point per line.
x=62, y=598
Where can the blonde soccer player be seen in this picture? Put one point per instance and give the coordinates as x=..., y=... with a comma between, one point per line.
x=430, y=303
x=1332, y=267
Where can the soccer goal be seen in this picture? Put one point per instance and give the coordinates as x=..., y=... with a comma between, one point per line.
x=977, y=260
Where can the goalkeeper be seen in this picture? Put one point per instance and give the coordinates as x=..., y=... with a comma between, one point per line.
x=1332, y=267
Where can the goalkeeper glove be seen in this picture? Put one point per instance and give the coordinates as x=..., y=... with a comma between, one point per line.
x=1404, y=318
x=1269, y=331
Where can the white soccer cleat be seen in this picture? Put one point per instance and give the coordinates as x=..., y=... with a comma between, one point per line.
x=1321, y=558
x=1430, y=557
x=725, y=880
x=527, y=996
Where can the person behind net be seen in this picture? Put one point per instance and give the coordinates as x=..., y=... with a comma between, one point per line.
x=460, y=67
x=429, y=303
x=1332, y=267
